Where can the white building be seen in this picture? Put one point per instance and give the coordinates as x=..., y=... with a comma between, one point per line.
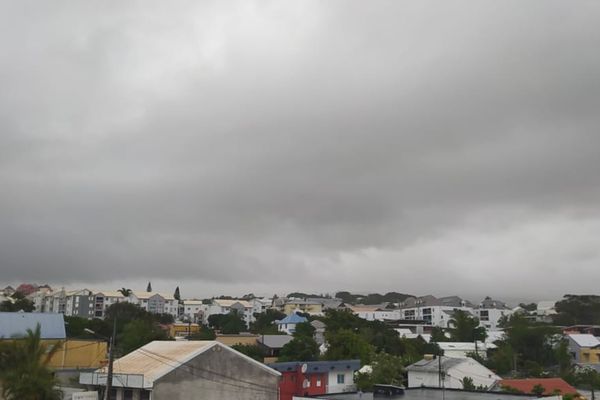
x=79, y=303
x=105, y=299
x=376, y=313
x=434, y=311
x=225, y=306
x=156, y=303
x=194, y=310
x=490, y=312
x=426, y=373
x=463, y=349
x=288, y=324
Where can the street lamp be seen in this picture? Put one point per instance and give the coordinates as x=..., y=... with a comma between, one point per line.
x=111, y=347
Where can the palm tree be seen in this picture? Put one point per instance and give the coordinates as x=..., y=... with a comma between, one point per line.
x=125, y=292
x=24, y=371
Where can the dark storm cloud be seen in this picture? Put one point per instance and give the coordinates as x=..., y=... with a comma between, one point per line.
x=378, y=146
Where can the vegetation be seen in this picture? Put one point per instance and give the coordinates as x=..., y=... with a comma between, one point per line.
x=302, y=347
x=538, y=390
x=464, y=328
x=574, y=310
x=18, y=303
x=385, y=369
x=24, y=371
x=231, y=323
x=373, y=298
x=251, y=350
x=205, y=333
x=264, y=323
x=467, y=383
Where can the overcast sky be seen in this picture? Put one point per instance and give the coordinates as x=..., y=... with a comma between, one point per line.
x=233, y=147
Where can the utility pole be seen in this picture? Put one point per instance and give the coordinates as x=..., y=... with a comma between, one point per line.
x=111, y=357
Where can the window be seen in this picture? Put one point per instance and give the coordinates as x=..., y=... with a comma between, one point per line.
x=128, y=394
x=340, y=379
x=319, y=382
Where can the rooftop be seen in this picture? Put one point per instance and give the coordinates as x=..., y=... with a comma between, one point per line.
x=15, y=324
x=293, y=318
x=585, y=340
x=550, y=384
x=318, y=366
x=275, y=341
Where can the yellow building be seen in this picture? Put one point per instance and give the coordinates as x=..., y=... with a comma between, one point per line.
x=305, y=306
x=241, y=338
x=79, y=354
x=182, y=330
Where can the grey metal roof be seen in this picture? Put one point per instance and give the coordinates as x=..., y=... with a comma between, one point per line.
x=15, y=324
x=275, y=341
x=434, y=365
x=318, y=366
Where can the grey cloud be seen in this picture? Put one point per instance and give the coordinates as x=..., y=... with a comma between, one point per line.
x=311, y=145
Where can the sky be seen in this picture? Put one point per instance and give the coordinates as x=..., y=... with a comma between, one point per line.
x=267, y=147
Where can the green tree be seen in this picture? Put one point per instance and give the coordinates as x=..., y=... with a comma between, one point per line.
x=346, y=344
x=438, y=335
x=231, y=323
x=18, y=303
x=578, y=309
x=24, y=372
x=467, y=383
x=465, y=328
x=251, y=350
x=125, y=292
x=588, y=378
x=205, y=334
x=385, y=369
x=264, y=322
x=177, y=295
x=149, y=287
x=138, y=333
x=300, y=348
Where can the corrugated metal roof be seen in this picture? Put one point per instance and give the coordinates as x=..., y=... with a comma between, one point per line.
x=293, y=318
x=434, y=364
x=318, y=366
x=15, y=324
x=275, y=341
x=158, y=358
x=585, y=340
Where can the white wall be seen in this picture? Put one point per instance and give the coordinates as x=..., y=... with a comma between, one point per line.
x=470, y=368
x=347, y=386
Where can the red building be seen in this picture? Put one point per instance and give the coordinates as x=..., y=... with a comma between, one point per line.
x=313, y=377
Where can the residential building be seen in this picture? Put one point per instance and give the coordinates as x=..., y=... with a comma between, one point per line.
x=260, y=304
x=311, y=307
x=463, y=349
x=434, y=311
x=38, y=296
x=194, y=310
x=79, y=303
x=427, y=373
x=7, y=291
x=288, y=324
x=319, y=334
x=584, y=348
x=327, y=303
x=545, y=310
x=182, y=370
x=490, y=311
x=104, y=299
x=237, y=339
x=155, y=303
x=224, y=306
x=313, y=378
x=551, y=386
x=375, y=312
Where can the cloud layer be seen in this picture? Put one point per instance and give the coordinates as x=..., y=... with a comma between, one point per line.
x=244, y=146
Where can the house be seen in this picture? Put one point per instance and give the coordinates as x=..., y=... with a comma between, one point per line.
x=312, y=307
x=271, y=345
x=490, y=311
x=584, y=348
x=551, y=385
x=463, y=349
x=545, y=310
x=316, y=377
x=79, y=303
x=453, y=370
x=72, y=353
x=105, y=299
x=288, y=324
x=181, y=370
x=225, y=306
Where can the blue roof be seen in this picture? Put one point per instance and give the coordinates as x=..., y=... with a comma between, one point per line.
x=293, y=318
x=317, y=366
x=15, y=324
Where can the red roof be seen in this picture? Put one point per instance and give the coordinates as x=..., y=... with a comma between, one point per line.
x=550, y=384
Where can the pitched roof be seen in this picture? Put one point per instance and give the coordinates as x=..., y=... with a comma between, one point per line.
x=275, y=341
x=293, y=318
x=229, y=303
x=158, y=358
x=585, y=340
x=15, y=324
x=433, y=365
x=550, y=384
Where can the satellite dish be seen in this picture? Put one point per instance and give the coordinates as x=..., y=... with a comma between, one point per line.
x=304, y=368
x=305, y=384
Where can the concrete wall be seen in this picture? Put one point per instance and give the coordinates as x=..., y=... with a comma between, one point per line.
x=470, y=368
x=215, y=375
x=74, y=354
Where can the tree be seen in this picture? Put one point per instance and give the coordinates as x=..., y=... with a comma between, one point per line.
x=385, y=369
x=125, y=292
x=138, y=333
x=230, y=323
x=251, y=350
x=438, y=335
x=467, y=383
x=346, y=344
x=588, y=378
x=465, y=328
x=205, y=334
x=18, y=303
x=149, y=287
x=176, y=295
x=24, y=371
x=264, y=322
x=300, y=348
